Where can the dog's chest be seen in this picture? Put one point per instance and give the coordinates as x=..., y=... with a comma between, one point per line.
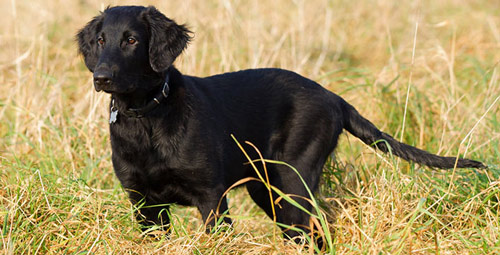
x=156, y=164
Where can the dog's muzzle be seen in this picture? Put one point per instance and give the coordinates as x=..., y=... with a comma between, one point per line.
x=102, y=79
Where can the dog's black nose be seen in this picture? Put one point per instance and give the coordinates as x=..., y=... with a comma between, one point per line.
x=102, y=79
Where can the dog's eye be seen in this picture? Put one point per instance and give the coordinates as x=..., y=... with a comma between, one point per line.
x=100, y=40
x=131, y=40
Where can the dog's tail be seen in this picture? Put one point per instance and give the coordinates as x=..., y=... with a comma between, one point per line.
x=371, y=135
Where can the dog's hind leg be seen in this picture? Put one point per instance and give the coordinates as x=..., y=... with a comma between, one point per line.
x=294, y=222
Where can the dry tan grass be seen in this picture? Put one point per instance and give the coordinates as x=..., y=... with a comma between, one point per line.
x=59, y=194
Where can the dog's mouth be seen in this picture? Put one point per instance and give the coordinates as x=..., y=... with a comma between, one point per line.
x=113, y=89
x=109, y=91
x=111, y=86
x=105, y=90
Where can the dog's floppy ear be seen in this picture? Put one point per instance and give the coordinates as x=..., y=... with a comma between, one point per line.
x=87, y=40
x=167, y=39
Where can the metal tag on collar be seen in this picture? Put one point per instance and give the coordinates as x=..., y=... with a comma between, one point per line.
x=165, y=89
x=113, y=113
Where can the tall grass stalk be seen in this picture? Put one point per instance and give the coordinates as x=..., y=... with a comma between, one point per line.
x=59, y=194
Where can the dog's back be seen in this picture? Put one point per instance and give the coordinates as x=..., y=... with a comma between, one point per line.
x=171, y=134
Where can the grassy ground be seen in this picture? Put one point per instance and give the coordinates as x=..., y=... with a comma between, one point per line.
x=425, y=71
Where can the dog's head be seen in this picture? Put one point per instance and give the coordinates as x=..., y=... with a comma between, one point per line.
x=128, y=45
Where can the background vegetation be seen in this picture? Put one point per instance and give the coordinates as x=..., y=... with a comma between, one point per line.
x=425, y=71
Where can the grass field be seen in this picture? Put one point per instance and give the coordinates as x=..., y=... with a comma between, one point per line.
x=424, y=71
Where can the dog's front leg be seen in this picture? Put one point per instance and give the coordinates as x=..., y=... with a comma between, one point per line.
x=149, y=214
x=147, y=211
x=213, y=208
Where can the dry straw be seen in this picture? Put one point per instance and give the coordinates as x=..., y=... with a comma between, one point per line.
x=59, y=195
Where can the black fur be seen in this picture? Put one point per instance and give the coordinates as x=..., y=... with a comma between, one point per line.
x=167, y=39
x=182, y=152
x=87, y=42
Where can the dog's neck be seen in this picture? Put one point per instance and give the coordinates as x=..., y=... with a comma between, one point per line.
x=138, y=105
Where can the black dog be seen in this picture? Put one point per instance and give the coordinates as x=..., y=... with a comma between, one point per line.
x=171, y=133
